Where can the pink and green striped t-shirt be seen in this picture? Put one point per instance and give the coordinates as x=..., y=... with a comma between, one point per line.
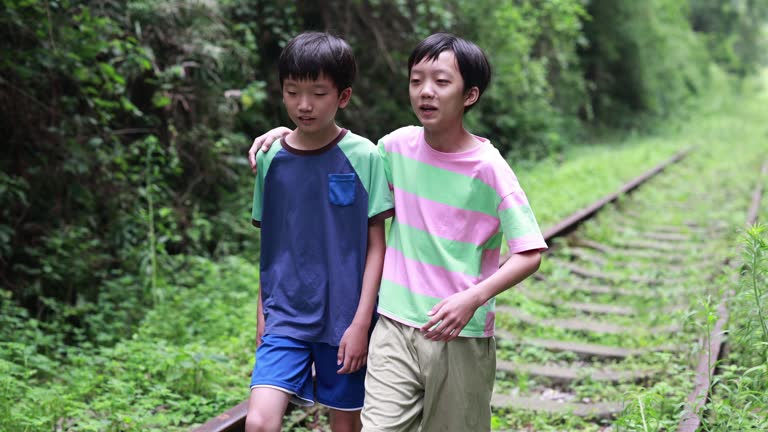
x=451, y=211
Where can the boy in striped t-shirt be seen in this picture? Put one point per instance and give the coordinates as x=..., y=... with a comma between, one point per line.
x=431, y=363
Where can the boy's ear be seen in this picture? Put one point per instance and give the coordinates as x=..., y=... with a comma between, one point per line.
x=344, y=97
x=472, y=95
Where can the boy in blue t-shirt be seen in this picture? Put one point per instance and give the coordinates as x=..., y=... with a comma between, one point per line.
x=320, y=199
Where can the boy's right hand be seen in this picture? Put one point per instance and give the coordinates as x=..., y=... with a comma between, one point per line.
x=353, y=349
x=264, y=142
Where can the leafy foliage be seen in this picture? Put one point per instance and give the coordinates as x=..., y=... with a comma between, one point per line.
x=734, y=32
x=643, y=59
x=135, y=132
x=538, y=89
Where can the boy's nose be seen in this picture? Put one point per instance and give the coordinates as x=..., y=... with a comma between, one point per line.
x=304, y=105
x=427, y=92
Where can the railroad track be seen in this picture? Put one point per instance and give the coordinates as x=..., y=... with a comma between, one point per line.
x=609, y=311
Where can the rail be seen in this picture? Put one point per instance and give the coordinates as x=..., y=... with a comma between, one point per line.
x=708, y=359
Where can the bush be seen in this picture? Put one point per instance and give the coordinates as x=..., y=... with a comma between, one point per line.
x=643, y=59
x=740, y=399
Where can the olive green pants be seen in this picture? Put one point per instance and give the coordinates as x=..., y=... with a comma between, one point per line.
x=415, y=384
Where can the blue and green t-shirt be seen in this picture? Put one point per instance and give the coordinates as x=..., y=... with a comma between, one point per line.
x=314, y=208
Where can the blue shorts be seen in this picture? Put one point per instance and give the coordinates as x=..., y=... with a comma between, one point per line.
x=285, y=363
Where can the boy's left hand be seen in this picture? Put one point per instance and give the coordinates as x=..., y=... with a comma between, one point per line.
x=450, y=316
x=353, y=349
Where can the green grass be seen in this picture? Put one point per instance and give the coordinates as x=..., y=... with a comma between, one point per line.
x=725, y=118
x=740, y=393
x=189, y=360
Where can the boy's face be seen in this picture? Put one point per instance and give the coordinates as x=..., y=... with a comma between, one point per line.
x=312, y=104
x=437, y=91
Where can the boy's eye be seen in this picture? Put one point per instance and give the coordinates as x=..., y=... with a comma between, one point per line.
x=292, y=93
x=443, y=81
x=320, y=94
x=414, y=81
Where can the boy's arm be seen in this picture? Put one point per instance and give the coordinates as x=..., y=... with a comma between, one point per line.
x=353, y=349
x=256, y=216
x=259, y=321
x=450, y=316
x=264, y=142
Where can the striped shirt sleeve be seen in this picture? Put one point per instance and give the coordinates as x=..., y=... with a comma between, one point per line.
x=380, y=202
x=519, y=223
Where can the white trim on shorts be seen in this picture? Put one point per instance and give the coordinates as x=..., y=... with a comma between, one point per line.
x=295, y=398
x=340, y=409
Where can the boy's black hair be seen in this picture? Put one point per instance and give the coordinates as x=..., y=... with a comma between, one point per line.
x=473, y=64
x=311, y=54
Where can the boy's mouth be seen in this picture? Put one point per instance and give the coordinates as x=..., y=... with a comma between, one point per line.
x=427, y=109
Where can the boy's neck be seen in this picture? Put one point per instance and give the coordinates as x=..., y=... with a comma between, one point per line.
x=454, y=139
x=307, y=141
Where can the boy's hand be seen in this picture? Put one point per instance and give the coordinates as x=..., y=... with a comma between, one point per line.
x=264, y=142
x=450, y=316
x=353, y=349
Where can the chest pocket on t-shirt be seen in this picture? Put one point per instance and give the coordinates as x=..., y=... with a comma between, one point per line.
x=341, y=189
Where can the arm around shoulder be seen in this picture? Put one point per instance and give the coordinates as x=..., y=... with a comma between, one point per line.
x=264, y=142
